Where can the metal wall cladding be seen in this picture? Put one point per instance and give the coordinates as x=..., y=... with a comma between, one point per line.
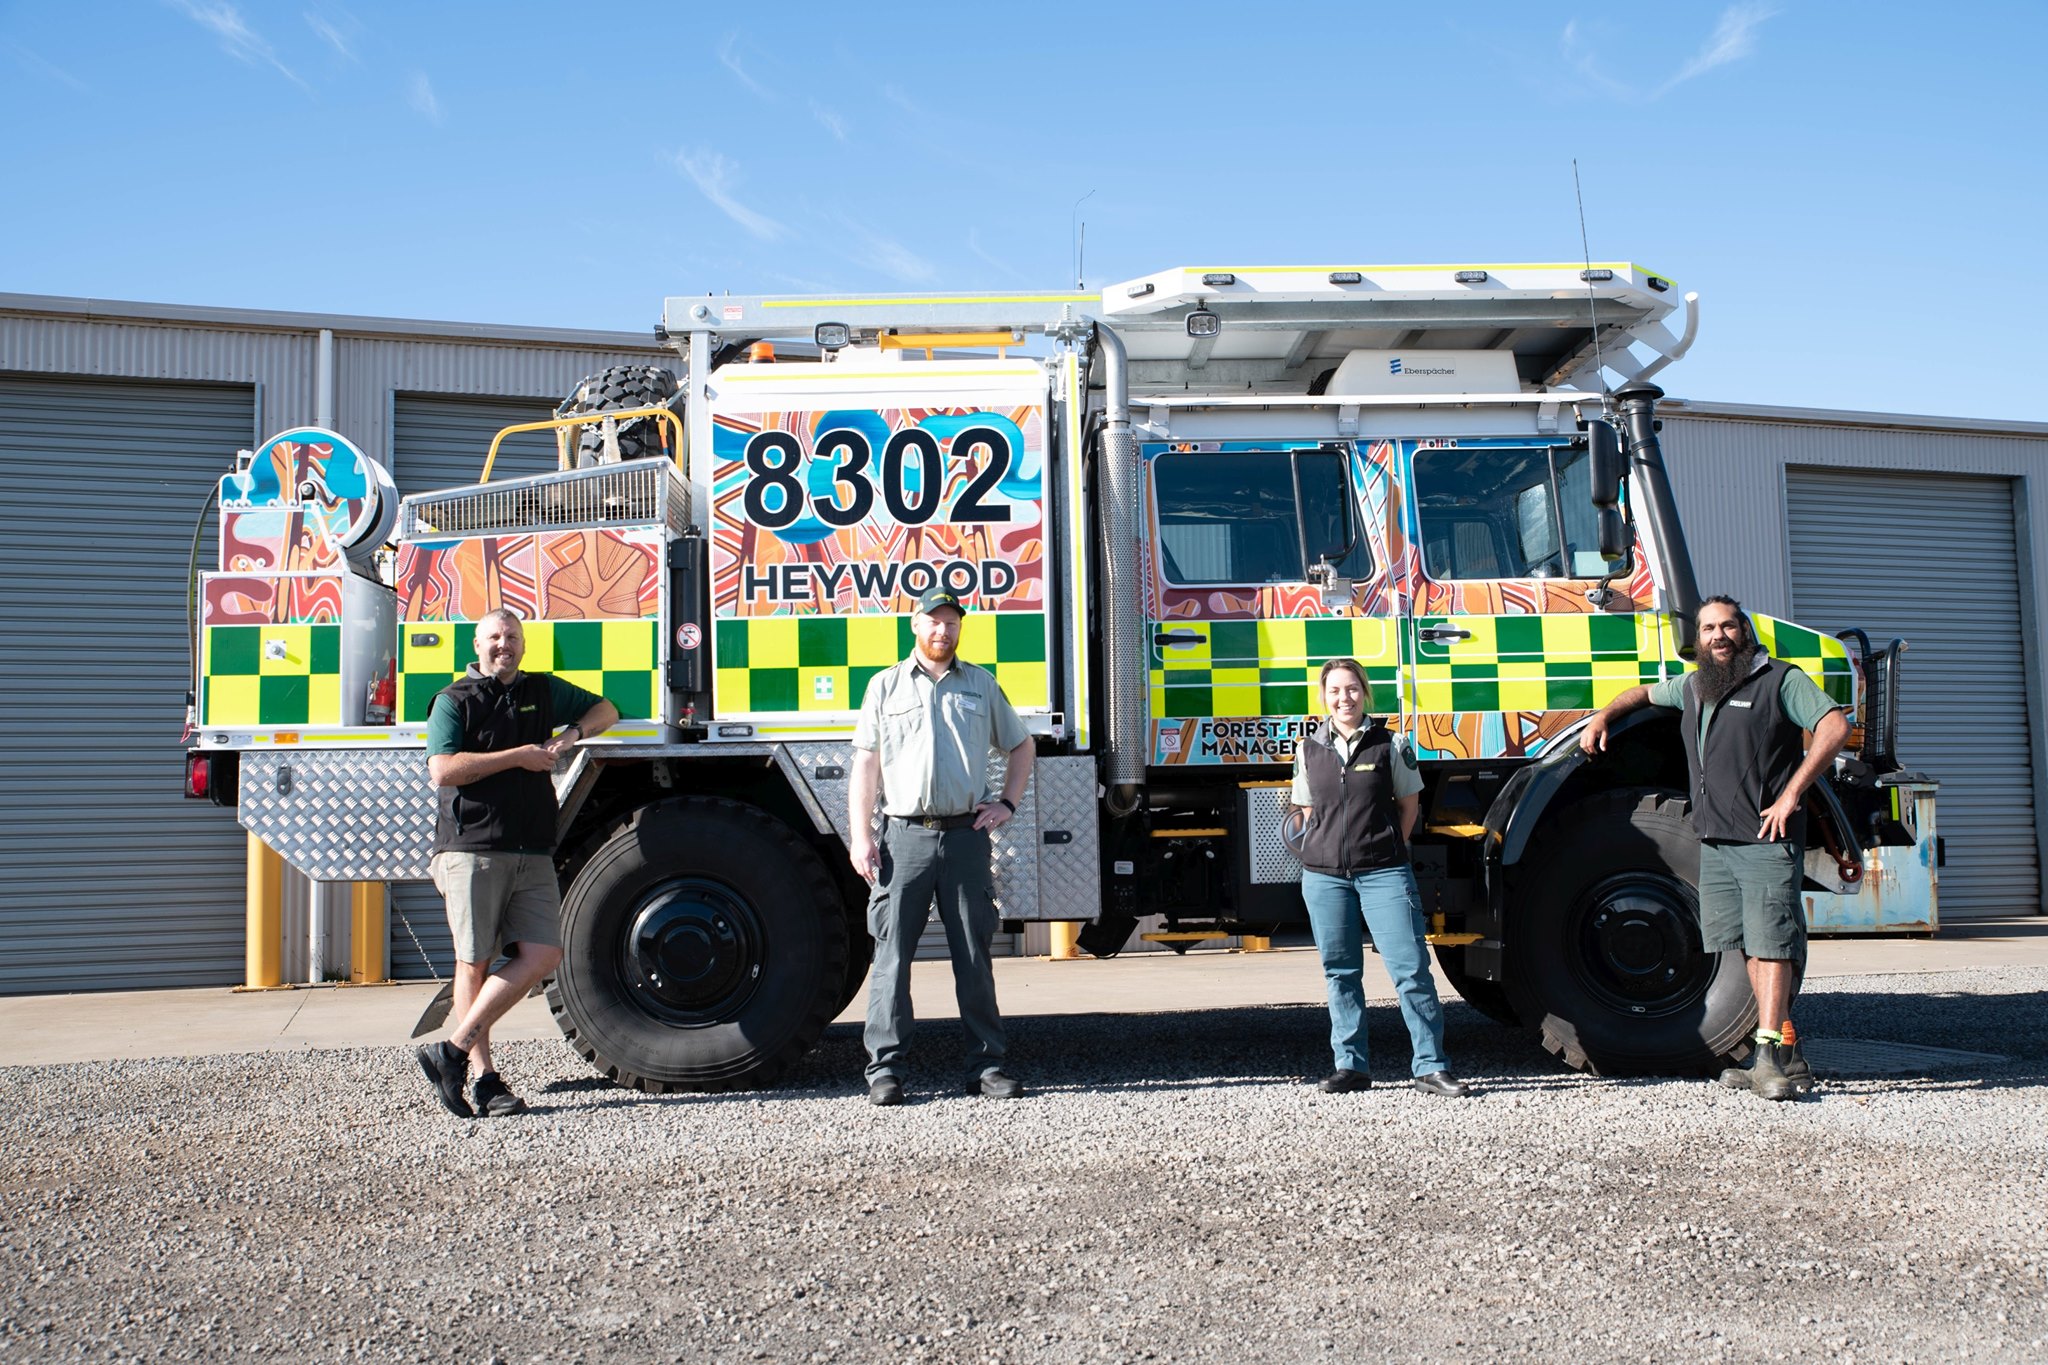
x=1840, y=520
x=1945, y=577
x=113, y=879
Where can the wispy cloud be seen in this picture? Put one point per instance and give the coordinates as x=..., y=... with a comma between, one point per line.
x=1733, y=38
x=897, y=96
x=331, y=34
x=713, y=174
x=729, y=58
x=237, y=39
x=987, y=258
x=32, y=62
x=419, y=93
x=833, y=124
x=867, y=247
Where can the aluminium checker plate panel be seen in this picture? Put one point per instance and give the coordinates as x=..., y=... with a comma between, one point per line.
x=341, y=815
x=1273, y=863
x=1034, y=880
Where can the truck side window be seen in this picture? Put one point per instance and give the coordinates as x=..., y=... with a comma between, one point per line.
x=1507, y=512
x=1229, y=517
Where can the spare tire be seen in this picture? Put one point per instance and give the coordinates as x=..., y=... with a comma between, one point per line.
x=616, y=390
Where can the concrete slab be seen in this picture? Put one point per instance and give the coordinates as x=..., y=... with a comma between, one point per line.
x=43, y=1030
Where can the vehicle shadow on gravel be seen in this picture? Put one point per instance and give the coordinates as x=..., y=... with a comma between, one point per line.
x=1206, y=1051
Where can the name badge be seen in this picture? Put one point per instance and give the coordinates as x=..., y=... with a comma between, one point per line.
x=970, y=703
x=1361, y=767
x=1745, y=705
x=524, y=709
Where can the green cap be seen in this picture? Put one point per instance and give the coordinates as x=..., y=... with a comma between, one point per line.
x=939, y=597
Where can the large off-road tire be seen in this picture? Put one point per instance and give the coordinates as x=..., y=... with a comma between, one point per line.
x=615, y=390
x=1603, y=943
x=703, y=948
x=1490, y=998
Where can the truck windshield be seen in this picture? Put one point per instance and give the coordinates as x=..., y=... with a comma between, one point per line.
x=1508, y=512
x=1230, y=517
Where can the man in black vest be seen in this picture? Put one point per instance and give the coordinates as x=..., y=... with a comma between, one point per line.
x=1743, y=719
x=491, y=752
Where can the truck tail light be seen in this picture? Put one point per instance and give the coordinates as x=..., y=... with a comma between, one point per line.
x=212, y=776
x=198, y=776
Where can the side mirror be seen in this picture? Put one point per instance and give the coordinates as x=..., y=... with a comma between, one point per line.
x=1603, y=456
x=1613, y=535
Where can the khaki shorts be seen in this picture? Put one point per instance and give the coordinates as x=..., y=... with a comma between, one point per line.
x=498, y=898
x=1749, y=899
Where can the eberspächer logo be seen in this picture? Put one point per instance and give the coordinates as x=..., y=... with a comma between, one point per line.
x=1393, y=364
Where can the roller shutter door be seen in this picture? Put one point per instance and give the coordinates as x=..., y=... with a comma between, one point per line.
x=112, y=879
x=439, y=441
x=1935, y=560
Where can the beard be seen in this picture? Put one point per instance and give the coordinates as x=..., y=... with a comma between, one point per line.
x=1718, y=678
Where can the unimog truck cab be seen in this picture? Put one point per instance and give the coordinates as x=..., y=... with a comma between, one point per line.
x=1166, y=506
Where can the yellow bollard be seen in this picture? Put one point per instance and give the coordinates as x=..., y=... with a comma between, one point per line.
x=263, y=949
x=368, y=927
x=1253, y=943
x=1066, y=934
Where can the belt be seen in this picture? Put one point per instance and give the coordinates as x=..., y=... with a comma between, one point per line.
x=936, y=821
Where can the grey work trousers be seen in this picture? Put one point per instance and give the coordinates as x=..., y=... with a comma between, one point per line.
x=919, y=866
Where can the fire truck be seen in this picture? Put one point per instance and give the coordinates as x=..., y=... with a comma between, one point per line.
x=1165, y=505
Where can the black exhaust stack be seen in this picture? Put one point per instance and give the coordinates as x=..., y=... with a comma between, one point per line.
x=1637, y=405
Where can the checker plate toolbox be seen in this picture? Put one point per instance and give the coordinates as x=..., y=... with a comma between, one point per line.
x=1164, y=508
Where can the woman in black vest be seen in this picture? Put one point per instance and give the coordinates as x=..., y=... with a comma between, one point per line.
x=1357, y=795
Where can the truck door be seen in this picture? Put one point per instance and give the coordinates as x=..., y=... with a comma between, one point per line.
x=1508, y=641
x=1239, y=628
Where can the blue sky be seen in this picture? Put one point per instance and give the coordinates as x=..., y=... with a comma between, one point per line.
x=1856, y=190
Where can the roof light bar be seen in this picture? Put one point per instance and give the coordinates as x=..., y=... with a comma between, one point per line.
x=1139, y=291
x=1657, y=283
x=1346, y=277
x=1598, y=275
x=1471, y=277
x=1216, y=279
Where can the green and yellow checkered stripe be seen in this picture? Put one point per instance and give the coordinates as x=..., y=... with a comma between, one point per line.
x=781, y=665
x=618, y=660
x=1824, y=658
x=271, y=675
x=1562, y=662
x=1265, y=668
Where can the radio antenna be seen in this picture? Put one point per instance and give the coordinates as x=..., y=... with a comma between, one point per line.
x=1586, y=249
x=1077, y=233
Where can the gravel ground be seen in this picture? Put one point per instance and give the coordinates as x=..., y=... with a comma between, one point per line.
x=1170, y=1190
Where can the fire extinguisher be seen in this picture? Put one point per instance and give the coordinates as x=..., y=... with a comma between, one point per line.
x=383, y=697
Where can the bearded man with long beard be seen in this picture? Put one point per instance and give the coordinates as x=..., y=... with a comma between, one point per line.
x=1744, y=720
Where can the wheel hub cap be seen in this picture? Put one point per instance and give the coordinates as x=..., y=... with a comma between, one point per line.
x=693, y=953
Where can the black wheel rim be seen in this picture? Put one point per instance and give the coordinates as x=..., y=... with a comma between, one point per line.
x=693, y=952
x=1637, y=944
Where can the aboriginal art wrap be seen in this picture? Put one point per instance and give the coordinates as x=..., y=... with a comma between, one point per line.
x=829, y=523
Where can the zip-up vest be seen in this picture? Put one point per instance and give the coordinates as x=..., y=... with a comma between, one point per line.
x=1752, y=750
x=511, y=811
x=1354, y=828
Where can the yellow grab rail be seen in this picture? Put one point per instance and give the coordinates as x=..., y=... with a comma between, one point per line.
x=557, y=424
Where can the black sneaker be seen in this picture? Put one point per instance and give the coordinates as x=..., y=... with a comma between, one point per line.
x=494, y=1099
x=447, y=1067
x=1343, y=1082
x=885, y=1090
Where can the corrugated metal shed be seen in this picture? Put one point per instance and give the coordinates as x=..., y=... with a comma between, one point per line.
x=1731, y=466
x=115, y=420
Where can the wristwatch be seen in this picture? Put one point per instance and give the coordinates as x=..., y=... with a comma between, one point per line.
x=1009, y=803
x=576, y=726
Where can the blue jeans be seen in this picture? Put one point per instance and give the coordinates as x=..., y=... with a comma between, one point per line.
x=1384, y=903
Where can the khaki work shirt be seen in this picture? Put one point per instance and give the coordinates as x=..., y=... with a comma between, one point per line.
x=935, y=736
